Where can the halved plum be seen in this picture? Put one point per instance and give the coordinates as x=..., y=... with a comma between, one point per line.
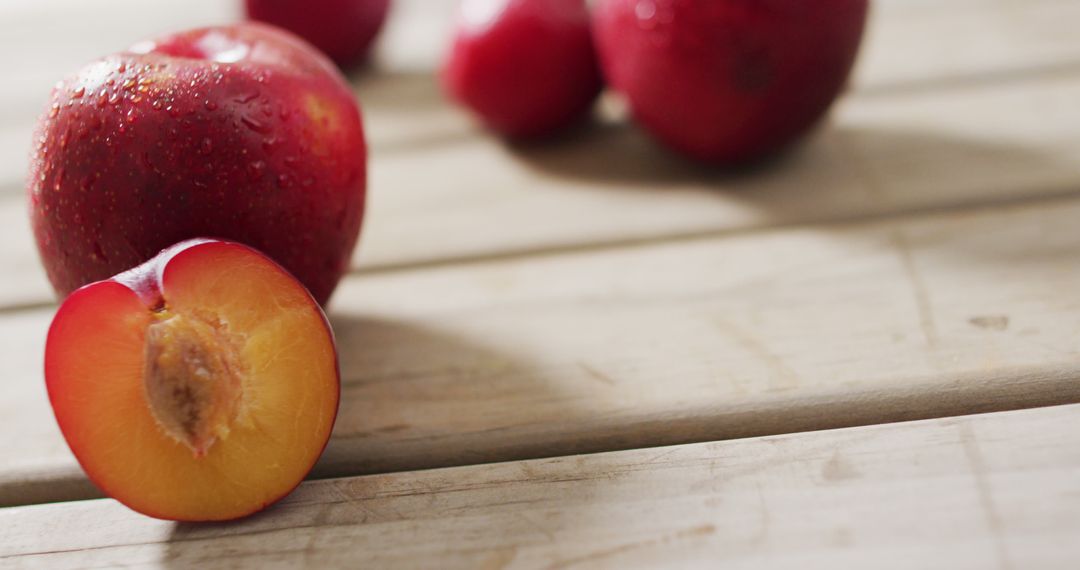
x=201, y=385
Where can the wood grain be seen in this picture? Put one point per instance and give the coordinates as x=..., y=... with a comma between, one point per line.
x=23, y=283
x=462, y=199
x=914, y=259
x=928, y=44
x=695, y=340
x=475, y=198
x=923, y=147
x=911, y=44
x=991, y=491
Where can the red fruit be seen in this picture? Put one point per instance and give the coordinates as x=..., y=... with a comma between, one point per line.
x=526, y=67
x=342, y=29
x=202, y=385
x=727, y=81
x=241, y=132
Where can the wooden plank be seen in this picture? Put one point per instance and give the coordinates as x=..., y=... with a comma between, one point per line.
x=610, y=184
x=46, y=40
x=23, y=282
x=910, y=43
x=477, y=197
x=992, y=491
x=929, y=43
x=452, y=199
x=697, y=340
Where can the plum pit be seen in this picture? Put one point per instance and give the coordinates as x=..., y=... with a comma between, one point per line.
x=193, y=378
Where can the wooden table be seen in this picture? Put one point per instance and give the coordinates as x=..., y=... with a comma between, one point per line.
x=593, y=354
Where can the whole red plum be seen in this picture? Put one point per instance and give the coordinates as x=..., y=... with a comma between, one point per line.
x=728, y=81
x=342, y=29
x=526, y=68
x=241, y=132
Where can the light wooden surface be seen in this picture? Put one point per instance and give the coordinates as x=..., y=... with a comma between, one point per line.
x=910, y=137
x=688, y=341
x=916, y=258
x=994, y=491
x=611, y=186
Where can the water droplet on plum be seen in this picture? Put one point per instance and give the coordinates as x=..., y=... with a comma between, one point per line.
x=247, y=97
x=256, y=169
x=645, y=12
x=254, y=124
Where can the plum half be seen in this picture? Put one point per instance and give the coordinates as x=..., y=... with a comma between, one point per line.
x=201, y=385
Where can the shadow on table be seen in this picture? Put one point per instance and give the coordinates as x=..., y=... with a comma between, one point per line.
x=623, y=155
x=408, y=112
x=398, y=91
x=836, y=173
x=413, y=397
x=417, y=397
x=620, y=154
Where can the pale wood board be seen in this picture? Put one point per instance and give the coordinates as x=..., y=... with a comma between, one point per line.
x=918, y=44
x=474, y=197
x=915, y=259
x=609, y=183
x=991, y=491
x=910, y=44
x=460, y=199
x=770, y=332
x=22, y=279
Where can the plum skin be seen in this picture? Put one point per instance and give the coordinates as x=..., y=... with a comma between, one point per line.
x=342, y=29
x=239, y=132
x=728, y=81
x=527, y=69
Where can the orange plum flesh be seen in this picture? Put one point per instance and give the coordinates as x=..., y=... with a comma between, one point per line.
x=202, y=385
